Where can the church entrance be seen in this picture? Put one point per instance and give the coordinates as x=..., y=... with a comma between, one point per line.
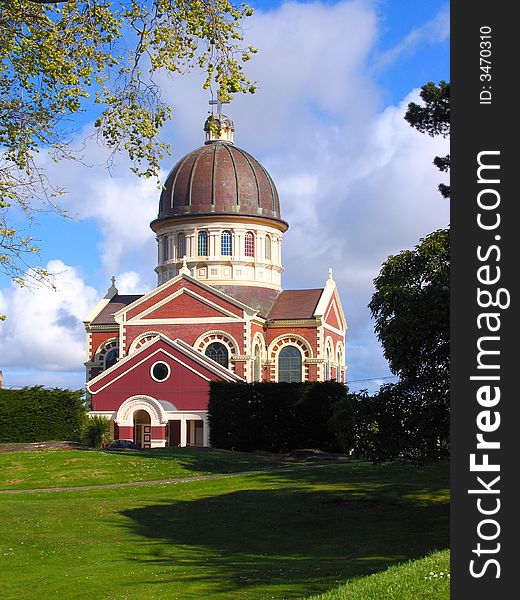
x=142, y=429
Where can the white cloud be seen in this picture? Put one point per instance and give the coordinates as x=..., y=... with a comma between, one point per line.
x=131, y=282
x=44, y=327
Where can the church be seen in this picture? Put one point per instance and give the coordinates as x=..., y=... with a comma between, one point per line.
x=219, y=312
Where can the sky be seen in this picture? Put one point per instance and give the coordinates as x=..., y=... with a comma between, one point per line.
x=356, y=182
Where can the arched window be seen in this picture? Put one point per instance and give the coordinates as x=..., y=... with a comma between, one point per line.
x=226, y=243
x=203, y=243
x=219, y=353
x=165, y=253
x=257, y=373
x=111, y=358
x=250, y=244
x=290, y=364
x=327, y=366
x=181, y=246
x=267, y=249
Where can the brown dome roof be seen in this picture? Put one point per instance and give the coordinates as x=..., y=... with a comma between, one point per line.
x=218, y=178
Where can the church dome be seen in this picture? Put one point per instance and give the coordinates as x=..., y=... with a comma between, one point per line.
x=218, y=179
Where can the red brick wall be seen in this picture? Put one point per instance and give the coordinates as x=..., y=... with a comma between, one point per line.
x=170, y=289
x=99, y=337
x=189, y=333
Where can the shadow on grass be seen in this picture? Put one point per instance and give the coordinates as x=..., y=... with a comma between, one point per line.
x=288, y=541
x=208, y=460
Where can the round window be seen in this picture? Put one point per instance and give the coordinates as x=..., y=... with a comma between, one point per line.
x=160, y=371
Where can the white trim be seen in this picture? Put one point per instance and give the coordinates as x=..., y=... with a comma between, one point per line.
x=125, y=413
x=229, y=341
x=160, y=362
x=109, y=414
x=330, y=292
x=187, y=321
x=285, y=336
x=333, y=329
x=140, y=337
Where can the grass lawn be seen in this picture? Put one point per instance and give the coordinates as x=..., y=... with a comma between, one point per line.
x=281, y=534
x=423, y=579
x=66, y=468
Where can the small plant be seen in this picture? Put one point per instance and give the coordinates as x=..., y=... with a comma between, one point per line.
x=96, y=432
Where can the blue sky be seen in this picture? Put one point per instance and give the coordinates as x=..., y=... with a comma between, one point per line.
x=356, y=182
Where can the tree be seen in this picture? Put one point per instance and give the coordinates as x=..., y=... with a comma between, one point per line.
x=402, y=422
x=411, y=311
x=59, y=58
x=434, y=119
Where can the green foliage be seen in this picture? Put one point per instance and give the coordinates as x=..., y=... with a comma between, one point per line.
x=425, y=579
x=433, y=118
x=275, y=417
x=59, y=58
x=96, y=432
x=400, y=422
x=411, y=311
x=34, y=414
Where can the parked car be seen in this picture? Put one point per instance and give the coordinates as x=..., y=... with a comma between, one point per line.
x=122, y=445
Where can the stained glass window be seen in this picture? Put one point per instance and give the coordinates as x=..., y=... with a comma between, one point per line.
x=290, y=364
x=226, y=243
x=219, y=353
x=203, y=243
x=250, y=244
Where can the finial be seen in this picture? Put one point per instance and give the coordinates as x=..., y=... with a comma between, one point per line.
x=184, y=270
x=330, y=272
x=112, y=290
x=219, y=127
x=218, y=102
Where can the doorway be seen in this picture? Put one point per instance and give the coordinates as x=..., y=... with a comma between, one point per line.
x=142, y=429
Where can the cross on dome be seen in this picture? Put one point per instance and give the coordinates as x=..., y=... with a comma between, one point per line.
x=219, y=104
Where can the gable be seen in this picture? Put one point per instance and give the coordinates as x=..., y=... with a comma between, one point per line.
x=183, y=304
x=186, y=363
x=332, y=316
x=158, y=297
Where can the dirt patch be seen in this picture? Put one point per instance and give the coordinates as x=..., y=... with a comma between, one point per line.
x=31, y=447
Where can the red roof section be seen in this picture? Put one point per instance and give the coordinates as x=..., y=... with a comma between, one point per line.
x=119, y=301
x=295, y=304
x=274, y=305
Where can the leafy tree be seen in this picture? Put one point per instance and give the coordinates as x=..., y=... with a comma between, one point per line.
x=59, y=58
x=411, y=311
x=402, y=422
x=434, y=119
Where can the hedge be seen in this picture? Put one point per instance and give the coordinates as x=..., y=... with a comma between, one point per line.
x=274, y=417
x=36, y=414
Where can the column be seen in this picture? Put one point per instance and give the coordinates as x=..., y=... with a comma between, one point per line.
x=183, y=431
